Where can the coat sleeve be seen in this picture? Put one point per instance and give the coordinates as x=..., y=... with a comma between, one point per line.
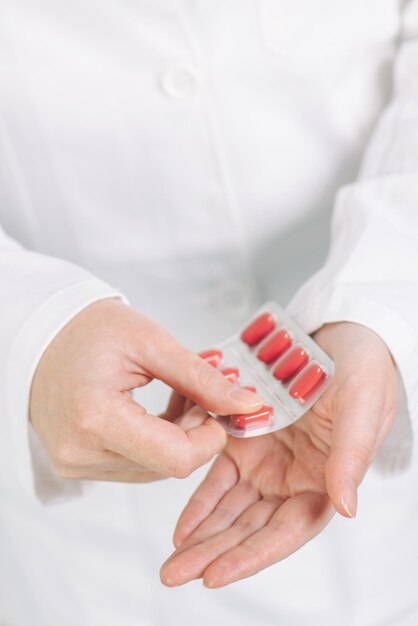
x=38, y=296
x=371, y=274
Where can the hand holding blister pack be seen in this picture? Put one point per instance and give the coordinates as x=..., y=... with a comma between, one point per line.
x=272, y=356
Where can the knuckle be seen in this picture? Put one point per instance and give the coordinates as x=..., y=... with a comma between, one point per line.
x=362, y=454
x=225, y=513
x=87, y=422
x=181, y=472
x=247, y=525
x=69, y=472
x=64, y=456
x=62, y=472
x=183, y=467
x=56, y=467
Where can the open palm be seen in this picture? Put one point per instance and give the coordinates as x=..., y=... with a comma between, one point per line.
x=264, y=497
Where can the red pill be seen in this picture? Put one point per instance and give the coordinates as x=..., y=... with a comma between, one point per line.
x=274, y=347
x=231, y=374
x=262, y=417
x=308, y=381
x=250, y=388
x=290, y=365
x=258, y=329
x=213, y=357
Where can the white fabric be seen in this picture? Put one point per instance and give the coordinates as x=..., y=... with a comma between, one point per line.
x=187, y=155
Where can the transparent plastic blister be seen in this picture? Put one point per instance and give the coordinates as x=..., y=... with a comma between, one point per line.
x=273, y=356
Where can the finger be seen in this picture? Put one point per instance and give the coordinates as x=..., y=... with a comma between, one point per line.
x=194, y=416
x=175, y=408
x=358, y=425
x=188, y=404
x=129, y=476
x=160, y=445
x=108, y=461
x=191, y=562
x=296, y=521
x=103, y=465
x=228, y=509
x=179, y=406
x=165, y=358
x=221, y=477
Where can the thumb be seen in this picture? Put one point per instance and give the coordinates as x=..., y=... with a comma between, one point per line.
x=161, y=446
x=168, y=360
x=358, y=431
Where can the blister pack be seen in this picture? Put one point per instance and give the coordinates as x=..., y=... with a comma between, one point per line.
x=274, y=357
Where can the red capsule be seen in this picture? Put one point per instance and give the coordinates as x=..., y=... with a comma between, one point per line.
x=290, y=365
x=308, y=381
x=258, y=329
x=250, y=388
x=262, y=417
x=213, y=357
x=274, y=347
x=231, y=374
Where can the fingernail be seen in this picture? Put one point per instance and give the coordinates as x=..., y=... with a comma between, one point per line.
x=251, y=399
x=349, y=498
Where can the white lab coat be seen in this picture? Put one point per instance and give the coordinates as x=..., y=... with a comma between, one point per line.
x=187, y=155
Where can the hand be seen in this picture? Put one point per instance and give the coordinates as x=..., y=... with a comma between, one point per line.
x=264, y=497
x=83, y=412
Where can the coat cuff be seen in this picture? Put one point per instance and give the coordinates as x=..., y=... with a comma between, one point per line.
x=27, y=455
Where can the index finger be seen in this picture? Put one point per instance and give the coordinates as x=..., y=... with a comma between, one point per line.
x=163, y=357
x=260, y=537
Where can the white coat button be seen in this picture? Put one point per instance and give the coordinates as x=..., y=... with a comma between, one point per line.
x=179, y=81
